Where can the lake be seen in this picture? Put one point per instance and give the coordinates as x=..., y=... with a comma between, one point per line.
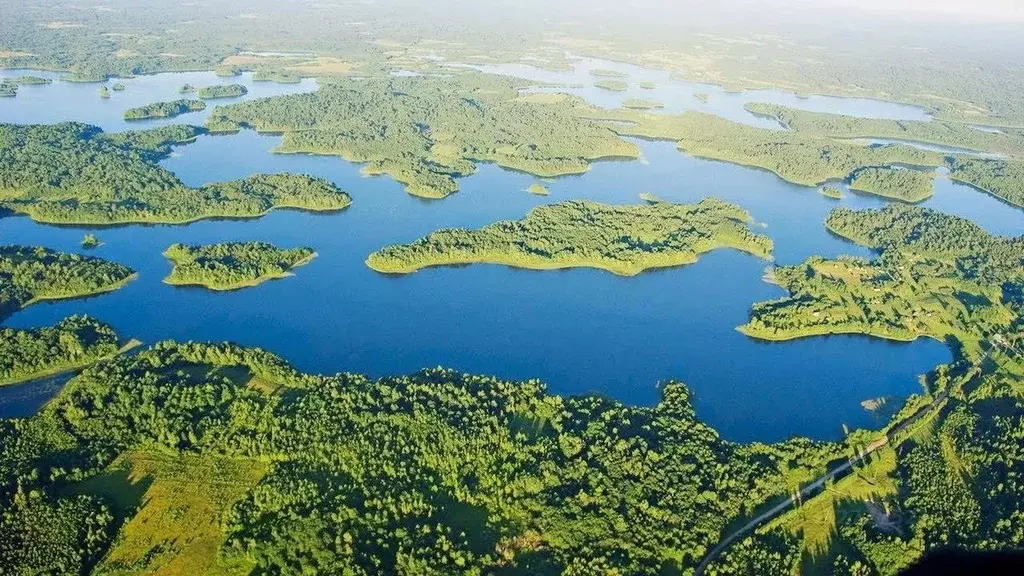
x=580, y=331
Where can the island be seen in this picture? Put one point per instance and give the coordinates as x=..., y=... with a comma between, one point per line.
x=605, y=73
x=186, y=89
x=75, y=342
x=90, y=241
x=222, y=91
x=648, y=197
x=30, y=274
x=641, y=104
x=702, y=97
x=104, y=92
x=426, y=132
x=538, y=189
x=612, y=85
x=647, y=85
x=905, y=184
x=937, y=275
x=624, y=240
x=118, y=87
x=233, y=265
x=8, y=89
x=164, y=109
x=834, y=192
x=279, y=76
x=116, y=178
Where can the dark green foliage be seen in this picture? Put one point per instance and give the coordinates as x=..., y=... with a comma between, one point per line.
x=74, y=341
x=428, y=131
x=222, y=91
x=74, y=173
x=164, y=109
x=90, y=241
x=622, y=239
x=29, y=274
x=61, y=535
x=232, y=265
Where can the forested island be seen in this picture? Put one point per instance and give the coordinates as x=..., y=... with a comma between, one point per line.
x=625, y=240
x=936, y=275
x=73, y=343
x=9, y=86
x=222, y=91
x=29, y=274
x=612, y=85
x=641, y=104
x=115, y=179
x=903, y=184
x=164, y=109
x=426, y=132
x=233, y=265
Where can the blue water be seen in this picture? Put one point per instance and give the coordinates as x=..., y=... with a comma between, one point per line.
x=578, y=330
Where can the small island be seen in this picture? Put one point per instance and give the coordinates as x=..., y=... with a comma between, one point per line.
x=833, y=192
x=186, y=89
x=624, y=240
x=91, y=241
x=641, y=104
x=32, y=81
x=279, y=76
x=164, y=109
x=648, y=85
x=118, y=87
x=648, y=197
x=613, y=85
x=8, y=89
x=222, y=91
x=903, y=184
x=104, y=92
x=702, y=97
x=538, y=189
x=232, y=265
x=605, y=73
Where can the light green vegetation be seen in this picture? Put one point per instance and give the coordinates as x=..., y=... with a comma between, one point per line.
x=9, y=86
x=175, y=531
x=114, y=179
x=30, y=274
x=37, y=352
x=187, y=89
x=624, y=240
x=702, y=97
x=8, y=89
x=117, y=87
x=222, y=91
x=246, y=465
x=274, y=75
x=1004, y=180
x=1009, y=142
x=31, y=81
x=104, y=92
x=648, y=85
x=602, y=73
x=163, y=109
x=831, y=191
x=90, y=241
x=426, y=132
x=640, y=104
x=898, y=183
x=613, y=85
x=648, y=197
x=937, y=275
x=538, y=189
x=227, y=71
x=232, y=265
x=800, y=158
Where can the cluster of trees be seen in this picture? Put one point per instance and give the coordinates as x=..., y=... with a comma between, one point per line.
x=164, y=109
x=641, y=104
x=73, y=173
x=9, y=86
x=222, y=91
x=621, y=239
x=428, y=131
x=29, y=274
x=232, y=265
x=613, y=85
x=936, y=275
x=904, y=184
x=72, y=342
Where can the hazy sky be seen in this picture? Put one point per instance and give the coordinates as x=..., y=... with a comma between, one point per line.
x=985, y=9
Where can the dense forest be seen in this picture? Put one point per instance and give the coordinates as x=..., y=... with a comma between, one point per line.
x=904, y=184
x=164, y=109
x=73, y=342
x=802, y=158
x=1004, y=180
x=232, y=265
x=222, y=91
x=73, y=173
x=426, y=132
x=29, y=274
x=625, y=240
